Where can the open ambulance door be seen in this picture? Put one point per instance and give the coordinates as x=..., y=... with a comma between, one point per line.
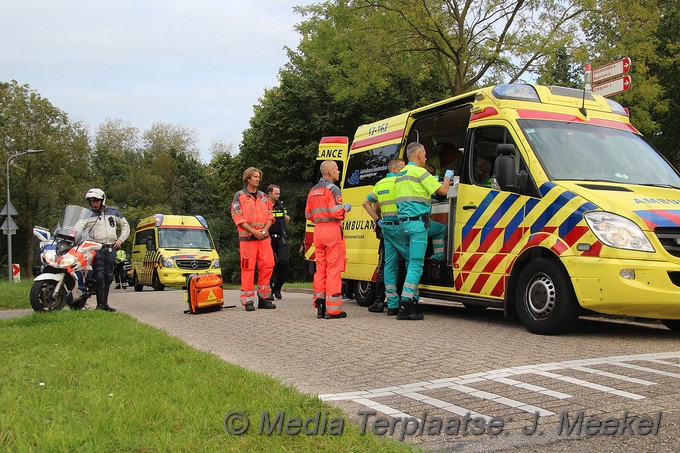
x=330, y=148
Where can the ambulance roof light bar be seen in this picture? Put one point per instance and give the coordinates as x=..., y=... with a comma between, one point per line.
x=616, y=107
x=203, y=221
x=158, y=220
x=519, y=92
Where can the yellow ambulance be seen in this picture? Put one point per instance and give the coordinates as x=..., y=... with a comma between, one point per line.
x=576, y=213
x=167, y=248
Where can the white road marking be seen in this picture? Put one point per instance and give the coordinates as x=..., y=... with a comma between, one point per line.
x=462, y=384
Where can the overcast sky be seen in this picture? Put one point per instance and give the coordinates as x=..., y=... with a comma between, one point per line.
x=202, y=64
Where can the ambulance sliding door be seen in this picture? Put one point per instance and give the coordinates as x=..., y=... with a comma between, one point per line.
x=364, y=169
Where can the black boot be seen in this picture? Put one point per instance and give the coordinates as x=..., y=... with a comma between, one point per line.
x=276, y=291
x=265, y=303
x=102, y=300
x=379, y=303
x=320, y=308
x=407, y=311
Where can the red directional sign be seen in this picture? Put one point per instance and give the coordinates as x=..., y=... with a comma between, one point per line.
x=612, y=70
x=613, y=86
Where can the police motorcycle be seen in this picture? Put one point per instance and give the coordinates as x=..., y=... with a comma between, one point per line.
x=65, y=275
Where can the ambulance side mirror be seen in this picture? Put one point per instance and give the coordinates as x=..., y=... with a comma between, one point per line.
x=218, y=246
x=504, y=168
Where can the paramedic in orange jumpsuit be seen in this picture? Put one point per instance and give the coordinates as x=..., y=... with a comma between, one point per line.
x=252, y=214
x=324, y=208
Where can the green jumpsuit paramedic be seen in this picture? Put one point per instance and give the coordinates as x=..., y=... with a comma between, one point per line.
x=414, y=187
x=394, y=240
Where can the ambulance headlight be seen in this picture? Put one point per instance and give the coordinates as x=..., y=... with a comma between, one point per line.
x=616, y=231
x=167, y=262
x=216, y=264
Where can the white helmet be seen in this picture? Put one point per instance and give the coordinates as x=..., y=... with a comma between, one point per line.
x=96, y=194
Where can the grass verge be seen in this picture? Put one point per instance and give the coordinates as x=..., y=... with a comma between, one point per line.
x=15, y=295
x=96, y=381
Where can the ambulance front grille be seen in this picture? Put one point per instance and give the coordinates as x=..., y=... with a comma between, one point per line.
x=193, y=264
x=670, y=239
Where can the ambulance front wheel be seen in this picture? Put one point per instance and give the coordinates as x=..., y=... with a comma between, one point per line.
x=135, y=283
x=545, y=300
x=156, y=282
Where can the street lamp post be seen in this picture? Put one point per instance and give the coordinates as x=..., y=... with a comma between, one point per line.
x=9, y=232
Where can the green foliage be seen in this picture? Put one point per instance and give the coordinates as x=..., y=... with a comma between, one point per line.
x=461, y=44
x=666, y=68
x=41, y=184
x=561, y=69
x=104, y=382
x=626, y=29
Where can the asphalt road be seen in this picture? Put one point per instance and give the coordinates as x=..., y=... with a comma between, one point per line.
x=459, y=368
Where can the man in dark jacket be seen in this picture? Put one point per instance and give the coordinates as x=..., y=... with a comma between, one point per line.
x=278, y=234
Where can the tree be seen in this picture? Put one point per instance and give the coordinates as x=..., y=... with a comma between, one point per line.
x=628, y=29
x=116, y=147
x=666, y=67
x=471, y=43
x=561, y=69
x=164, y=137
x=43, y=183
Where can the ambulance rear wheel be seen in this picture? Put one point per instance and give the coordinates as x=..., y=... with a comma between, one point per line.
x=672, y=324
x=364, y=293
x=545, y=300
x=156, y=282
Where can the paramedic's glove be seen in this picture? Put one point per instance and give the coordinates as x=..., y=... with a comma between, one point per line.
x=379, y=222
x=348, y=207
x=449, y=174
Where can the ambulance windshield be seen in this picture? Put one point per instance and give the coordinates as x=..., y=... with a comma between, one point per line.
x=195, y=238
x=573, y=151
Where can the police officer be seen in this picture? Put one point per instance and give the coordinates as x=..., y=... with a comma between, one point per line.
x=278, y=234
x=393, y=240
x=119, y=273
x=414, y=187
x=107, y=226
x=324, y=207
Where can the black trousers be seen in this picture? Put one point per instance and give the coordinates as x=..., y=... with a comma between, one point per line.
x=282, y=254
x=103, y=264
x=119, y=273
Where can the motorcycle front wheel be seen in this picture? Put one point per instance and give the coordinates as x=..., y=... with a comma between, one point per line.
x=43, y=297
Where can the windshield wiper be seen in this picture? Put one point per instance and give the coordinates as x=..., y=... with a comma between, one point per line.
x=667, y=186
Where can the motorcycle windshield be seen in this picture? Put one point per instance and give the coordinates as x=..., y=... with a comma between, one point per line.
x=72, y=214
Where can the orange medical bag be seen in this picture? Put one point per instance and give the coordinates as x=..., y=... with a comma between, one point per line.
x=204, y=293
